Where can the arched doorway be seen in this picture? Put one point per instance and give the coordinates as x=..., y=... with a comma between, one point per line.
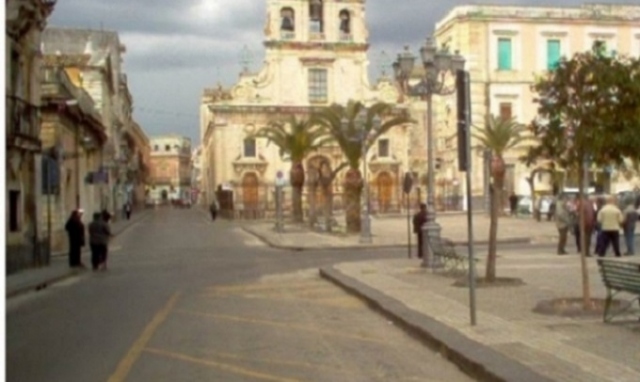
x=250, y=185
x=384, y=183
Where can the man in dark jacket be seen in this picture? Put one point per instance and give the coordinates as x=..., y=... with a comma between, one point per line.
x=75, y=232
x=418, y=221
x=99, y=235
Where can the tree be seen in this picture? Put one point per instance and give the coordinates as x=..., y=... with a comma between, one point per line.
x=497, y=136
x=349, y=139
x=295, y=139
x=588, y=115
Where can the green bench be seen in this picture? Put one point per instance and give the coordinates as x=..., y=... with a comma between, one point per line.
x=444, y=253
x=619, y=276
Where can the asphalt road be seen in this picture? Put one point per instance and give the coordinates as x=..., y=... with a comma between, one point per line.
x=186, y=299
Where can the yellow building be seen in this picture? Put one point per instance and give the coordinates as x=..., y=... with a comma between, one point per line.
x=505, y=47
x=316, y=55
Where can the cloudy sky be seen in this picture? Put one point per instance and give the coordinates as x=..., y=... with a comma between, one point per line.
x=176, y=48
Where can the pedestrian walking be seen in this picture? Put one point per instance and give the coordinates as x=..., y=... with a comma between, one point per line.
x=563, y=222
x=75, y=233
x=610, y=219
x=513, y=204
x=127, y=210
x=99, y=235
x=598, y=203
x=589, y=215
x=213, y=209
x=630, y=217
x=419, y=218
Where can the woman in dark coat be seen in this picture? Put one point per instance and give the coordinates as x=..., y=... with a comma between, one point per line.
x=75, y=232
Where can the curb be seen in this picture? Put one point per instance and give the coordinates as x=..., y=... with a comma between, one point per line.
x=474, y=359
x=270, y=243
x=69, y=273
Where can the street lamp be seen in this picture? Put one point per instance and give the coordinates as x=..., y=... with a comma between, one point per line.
x=438, y=63
x=362, y=136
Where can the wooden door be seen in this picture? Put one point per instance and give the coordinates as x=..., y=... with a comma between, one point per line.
x=250, y=191
x=385, y=191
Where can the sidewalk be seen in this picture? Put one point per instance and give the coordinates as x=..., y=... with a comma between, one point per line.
x=510, y=342
x=58, y=269
x=392, y=232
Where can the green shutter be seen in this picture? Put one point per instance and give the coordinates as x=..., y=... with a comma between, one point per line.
x=553, y=54
x=504, y=54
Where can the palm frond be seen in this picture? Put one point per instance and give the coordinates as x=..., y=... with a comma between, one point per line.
x=500, y=135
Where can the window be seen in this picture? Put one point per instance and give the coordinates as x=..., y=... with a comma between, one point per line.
x=504, y=53
x=249, y=149
x=287, y=17
x=505, y=111
x=553, y=54
x=345, y=22
x=316, y=24
x=383, y=148
x=156, y=148
x=14, y=211
x=317, y=85
x=167, y=147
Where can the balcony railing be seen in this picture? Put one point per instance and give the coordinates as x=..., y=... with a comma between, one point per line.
x=346, y=37
x=287, y=35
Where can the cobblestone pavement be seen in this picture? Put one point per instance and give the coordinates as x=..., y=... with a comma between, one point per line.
x=559, y=348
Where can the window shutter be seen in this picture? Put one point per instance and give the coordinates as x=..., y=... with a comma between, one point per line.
x=553, y=54
x=504, y=54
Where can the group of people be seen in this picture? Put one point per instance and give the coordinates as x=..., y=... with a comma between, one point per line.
x=602, y=219
x=99, y=236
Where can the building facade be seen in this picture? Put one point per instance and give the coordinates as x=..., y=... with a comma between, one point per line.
x=505, y=48
x=72, y=137
x=316, y=55
x=93, y=60
x=24, y=22
x=170, y=169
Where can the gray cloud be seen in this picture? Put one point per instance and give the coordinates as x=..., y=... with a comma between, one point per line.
x=177, y=48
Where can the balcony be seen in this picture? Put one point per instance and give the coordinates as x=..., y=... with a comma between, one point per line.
x=346, y=37
x=287, y=35
x=22, y=124
x=316, y=36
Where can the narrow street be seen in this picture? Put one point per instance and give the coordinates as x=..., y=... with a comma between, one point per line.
x=186, y=299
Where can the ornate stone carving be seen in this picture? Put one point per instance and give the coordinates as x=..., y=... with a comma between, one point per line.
x=243, y=165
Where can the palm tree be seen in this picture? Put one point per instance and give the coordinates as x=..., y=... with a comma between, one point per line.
x=359, y=123
x=295, y=139
x=498, y=135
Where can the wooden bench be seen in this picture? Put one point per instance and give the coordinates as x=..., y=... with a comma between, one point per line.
x=444, y=253
x=619, y=276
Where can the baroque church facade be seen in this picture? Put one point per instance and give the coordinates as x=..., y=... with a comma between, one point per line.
x=316, y=55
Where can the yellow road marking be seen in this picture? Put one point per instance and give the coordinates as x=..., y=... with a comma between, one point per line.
x=125, y=365
x=283, y=325
x=222, y=366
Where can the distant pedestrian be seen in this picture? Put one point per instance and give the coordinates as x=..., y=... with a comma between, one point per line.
x=630, y=216
x=213, y=209
x=563, y=223
x=127, y=210
x=610, y=219
x=419, y=219
x=75, y=233
x=513, y=204
x=99, y=235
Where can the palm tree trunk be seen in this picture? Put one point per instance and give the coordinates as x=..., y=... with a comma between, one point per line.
x=352, y=191
x=296, y=176
x=490, y=274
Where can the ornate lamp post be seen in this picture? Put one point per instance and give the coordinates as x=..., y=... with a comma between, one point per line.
x=438, y=63
x=362, y=136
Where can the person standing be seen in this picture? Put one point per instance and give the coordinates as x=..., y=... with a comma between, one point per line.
x=419, y=218
x=563, y=222
x=630, y=217
x=127, y=210
x=589, y=215
x=610, y=219
x=75, y=233
x=513, y=204
x=99, y=235
x=213, y=209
